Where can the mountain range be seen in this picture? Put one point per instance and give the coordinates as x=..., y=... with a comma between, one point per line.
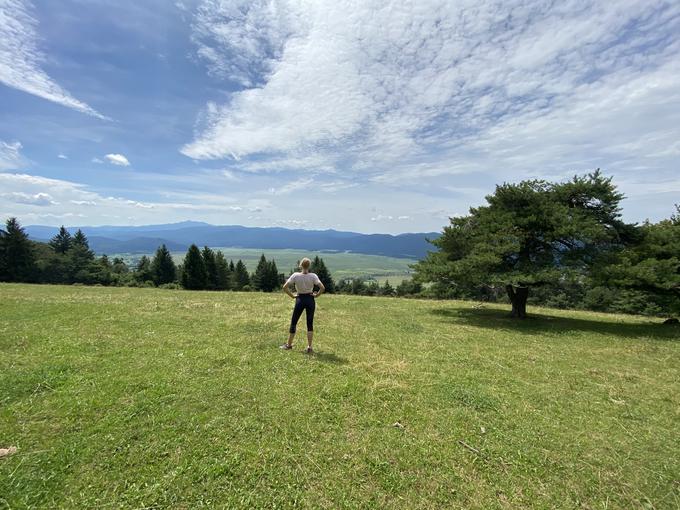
x=179, y=236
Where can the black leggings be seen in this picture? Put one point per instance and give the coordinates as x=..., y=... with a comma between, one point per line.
x=303, y=302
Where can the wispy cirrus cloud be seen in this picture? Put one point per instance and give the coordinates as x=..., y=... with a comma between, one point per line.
x=10, y=155
x=21, y=59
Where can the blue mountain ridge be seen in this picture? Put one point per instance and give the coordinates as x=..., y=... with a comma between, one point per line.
x=178, y=236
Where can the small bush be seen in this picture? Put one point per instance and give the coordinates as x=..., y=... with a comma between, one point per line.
x=171, y=286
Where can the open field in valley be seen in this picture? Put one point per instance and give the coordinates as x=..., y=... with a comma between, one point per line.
x=341, y=265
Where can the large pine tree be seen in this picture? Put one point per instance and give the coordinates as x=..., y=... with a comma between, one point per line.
x=61, y=242
x=529, y=234
x=17, y=260
x=194, y=275
x=163, y=269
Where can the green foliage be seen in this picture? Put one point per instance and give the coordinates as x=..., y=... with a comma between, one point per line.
x=194, y=274
x=163, y=269
x=409, y=288
x=17, y=259
x=266, y=277
x=319, y=267
x=170, y=286
x=210, y=268
x=387, y=290
x=531, y=233
x=223, y=275
x=61, y=242
x=241, y=277
x=143, y=270
x=119, y=266
x=646, y=272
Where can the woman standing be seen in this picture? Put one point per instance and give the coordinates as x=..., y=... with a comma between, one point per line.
x=304, y=282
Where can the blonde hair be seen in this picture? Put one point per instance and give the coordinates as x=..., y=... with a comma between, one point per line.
x=305, y=263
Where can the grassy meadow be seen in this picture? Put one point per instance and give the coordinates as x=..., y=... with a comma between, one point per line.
x=341, y=265
x=147, y=398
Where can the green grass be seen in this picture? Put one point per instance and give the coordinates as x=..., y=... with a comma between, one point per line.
x=341, y=265
x=145, y=398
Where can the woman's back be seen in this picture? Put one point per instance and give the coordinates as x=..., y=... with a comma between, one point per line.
x=304, y=282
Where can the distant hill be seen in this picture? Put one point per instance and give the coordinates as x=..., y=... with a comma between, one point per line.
x=178, y=236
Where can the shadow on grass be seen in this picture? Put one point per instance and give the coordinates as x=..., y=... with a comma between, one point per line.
x=328, y=357
x=539, y=324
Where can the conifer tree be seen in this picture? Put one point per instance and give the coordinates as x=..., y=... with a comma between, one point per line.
x=61, y=242
x=17, y=260
x=194, y=275
x=530, y=234
x=261, y=274
x=81, y=260
x=210, y=267
x=163, y=269
x=319, y=267
x=101, y=272
x=223, y=280
x=143, y=271
x=241, y=276
x=80, y=239
x=387, y=289
x=273, y=278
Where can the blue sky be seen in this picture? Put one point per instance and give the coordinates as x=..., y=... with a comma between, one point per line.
x=370, y=116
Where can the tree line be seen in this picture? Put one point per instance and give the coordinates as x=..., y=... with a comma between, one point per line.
x=68, y=259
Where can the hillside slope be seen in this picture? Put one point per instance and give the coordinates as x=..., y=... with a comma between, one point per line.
x=153, y=398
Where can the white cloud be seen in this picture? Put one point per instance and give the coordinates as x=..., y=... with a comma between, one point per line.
x=18, y=197
x=62, y=156
x=230, y=176
x=34, y=198
x=412, y=92
x=10, y=156
x=117, y=159
x=293, y=186
x=21, y=58
x=97, y=161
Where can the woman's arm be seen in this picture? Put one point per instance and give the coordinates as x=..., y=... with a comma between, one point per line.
x=287, y=290
x=321, y=289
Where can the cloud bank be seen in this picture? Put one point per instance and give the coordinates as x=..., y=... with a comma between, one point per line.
x=408, y=90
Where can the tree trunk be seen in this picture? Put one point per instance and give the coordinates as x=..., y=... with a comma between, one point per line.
x=518, y=297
